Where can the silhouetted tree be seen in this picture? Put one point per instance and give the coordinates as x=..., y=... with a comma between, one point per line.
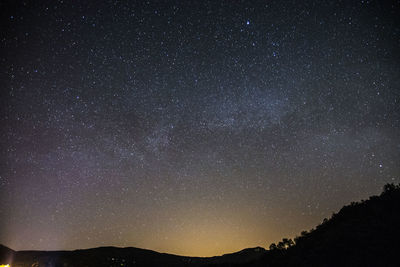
x=287, y=242
x=388, y=188
x=280, y=245
x=284, y=244
x=304, y=233
x=272, y=246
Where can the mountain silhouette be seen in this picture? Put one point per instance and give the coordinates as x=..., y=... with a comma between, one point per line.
x=113, y=256
x=360, y=234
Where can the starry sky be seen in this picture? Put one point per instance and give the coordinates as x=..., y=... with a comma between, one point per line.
x=192, y=127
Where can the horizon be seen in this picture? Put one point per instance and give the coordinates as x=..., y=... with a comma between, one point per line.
x=161, y=252
x=195, y=127
x=170, y=253
x=387, y=188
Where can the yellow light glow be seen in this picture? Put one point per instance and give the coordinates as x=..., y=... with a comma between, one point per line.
x=4, y=265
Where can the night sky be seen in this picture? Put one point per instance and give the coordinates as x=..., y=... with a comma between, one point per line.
x=192, y=127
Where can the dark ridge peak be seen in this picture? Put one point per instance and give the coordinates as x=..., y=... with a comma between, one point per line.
x=2, y=247
x=255, y=249
x=116, y=248
x=246, y=250
x=360, y=234
x=6, y=254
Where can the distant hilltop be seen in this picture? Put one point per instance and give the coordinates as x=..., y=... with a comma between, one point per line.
x=113, y=256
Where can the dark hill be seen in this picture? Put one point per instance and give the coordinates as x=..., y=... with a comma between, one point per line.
x=361, y=234
x=113, y=256
x=6, y=254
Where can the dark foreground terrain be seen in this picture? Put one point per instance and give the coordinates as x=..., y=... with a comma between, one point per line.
x=360, y=234
x=112, y=256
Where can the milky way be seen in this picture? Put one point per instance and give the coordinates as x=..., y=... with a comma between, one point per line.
x=192, y=127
